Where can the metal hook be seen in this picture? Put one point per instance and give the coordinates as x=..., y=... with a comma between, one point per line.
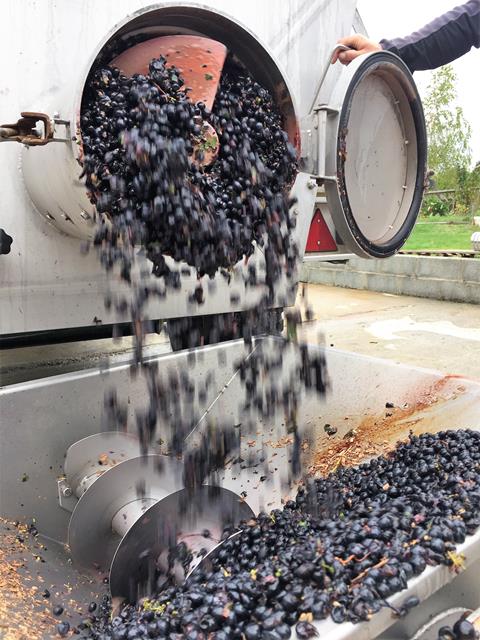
x=338, y=47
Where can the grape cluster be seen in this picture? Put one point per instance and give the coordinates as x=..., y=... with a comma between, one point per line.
x=143, y=145
x=340, y=549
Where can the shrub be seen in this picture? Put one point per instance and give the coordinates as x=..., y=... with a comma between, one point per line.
x=434, y=206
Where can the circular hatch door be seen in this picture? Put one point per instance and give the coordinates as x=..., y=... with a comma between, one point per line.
x=376, y=152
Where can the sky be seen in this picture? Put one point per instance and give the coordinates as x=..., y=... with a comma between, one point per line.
x=389, y=19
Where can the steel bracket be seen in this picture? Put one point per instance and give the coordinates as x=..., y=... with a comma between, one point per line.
x=66, y=498
x=322, y=113
x=33, y=129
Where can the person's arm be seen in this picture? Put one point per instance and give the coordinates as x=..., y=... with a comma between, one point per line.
x=444, y=39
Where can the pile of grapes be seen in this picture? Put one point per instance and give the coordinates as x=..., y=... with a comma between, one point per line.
x=142, y=153
x=340, y=549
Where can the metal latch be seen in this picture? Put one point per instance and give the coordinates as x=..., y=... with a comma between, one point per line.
x=32, y=129
x=338, y=47
x=322, y=113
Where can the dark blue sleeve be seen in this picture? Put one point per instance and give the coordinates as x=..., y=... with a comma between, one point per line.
x=444, y=39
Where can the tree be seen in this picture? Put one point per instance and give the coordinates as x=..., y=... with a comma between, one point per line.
x=448, y=132
x=468, y=190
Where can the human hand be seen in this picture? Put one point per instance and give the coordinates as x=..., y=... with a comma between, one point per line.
x=358, y=45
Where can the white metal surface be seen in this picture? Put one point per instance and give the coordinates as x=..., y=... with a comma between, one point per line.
x=90, y=457
x=384, y=131
x=92, y=538
x=126, y=516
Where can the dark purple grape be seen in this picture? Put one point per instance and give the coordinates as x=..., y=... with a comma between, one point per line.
x=464, y=630
x=63, y=628
x=306, y=630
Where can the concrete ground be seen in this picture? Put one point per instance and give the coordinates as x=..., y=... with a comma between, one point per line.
x=427, y=333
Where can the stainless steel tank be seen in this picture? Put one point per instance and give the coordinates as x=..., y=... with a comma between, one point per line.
x=361, y=139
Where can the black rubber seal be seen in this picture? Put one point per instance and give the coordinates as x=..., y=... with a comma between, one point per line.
x=396, y=242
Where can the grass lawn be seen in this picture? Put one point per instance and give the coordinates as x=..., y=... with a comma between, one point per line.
x=428, y=234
